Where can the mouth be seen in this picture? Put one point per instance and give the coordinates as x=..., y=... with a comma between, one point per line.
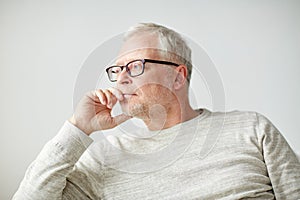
x=127, y=96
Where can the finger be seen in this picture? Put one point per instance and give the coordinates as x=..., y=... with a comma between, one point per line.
x=111, y=98
x=120, y=119
x=100, y=94
x=117, y=93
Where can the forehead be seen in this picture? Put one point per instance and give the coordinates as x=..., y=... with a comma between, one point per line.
x=138, y=54
x=140, y=41
x=139, y=46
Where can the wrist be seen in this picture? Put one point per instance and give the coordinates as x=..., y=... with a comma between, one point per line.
x=73, y=121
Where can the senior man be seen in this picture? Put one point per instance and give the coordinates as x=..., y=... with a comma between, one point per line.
x=250, y=158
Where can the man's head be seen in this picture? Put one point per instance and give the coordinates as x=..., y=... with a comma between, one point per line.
x=170, y=43
x=156, y=69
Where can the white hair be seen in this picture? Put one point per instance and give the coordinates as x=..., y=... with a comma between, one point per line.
x=171, y=42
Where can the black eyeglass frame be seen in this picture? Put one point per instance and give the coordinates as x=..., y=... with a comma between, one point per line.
x=143, y=61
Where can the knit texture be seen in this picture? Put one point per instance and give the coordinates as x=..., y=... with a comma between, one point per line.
x=216, y=155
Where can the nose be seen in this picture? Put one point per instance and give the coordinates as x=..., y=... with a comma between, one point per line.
x=123, y=77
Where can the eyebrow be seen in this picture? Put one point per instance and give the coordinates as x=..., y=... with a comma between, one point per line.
x=127, y=61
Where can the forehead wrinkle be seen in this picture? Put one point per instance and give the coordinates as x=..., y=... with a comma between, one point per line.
x=141, y=53
x=139, y=41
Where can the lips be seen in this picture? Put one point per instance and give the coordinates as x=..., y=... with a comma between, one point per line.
x=127, y=96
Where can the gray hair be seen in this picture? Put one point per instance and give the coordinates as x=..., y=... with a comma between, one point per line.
x=171, y=42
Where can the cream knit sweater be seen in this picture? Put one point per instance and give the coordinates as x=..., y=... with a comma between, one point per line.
x=234, y=155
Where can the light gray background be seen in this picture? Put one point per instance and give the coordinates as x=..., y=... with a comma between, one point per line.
x=255, y=46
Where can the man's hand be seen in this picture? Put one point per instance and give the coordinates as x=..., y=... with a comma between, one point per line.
x=93, y=112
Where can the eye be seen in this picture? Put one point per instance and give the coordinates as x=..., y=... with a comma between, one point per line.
x=115, y=70
x=136, y=66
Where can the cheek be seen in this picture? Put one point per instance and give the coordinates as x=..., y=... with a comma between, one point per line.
x=155, y=93
x=163, y=76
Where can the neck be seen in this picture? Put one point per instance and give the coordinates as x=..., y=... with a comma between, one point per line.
x=161, y=117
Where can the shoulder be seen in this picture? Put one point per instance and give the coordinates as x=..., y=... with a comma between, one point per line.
x=238, y=118
x=242, y=121
x=246, y=122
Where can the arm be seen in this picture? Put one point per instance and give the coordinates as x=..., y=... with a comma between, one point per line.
x=281, y=162
x=46, y=176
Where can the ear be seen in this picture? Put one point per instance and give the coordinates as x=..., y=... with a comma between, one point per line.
x=181, y=75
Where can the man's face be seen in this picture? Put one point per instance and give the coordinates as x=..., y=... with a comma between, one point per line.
x=151, y=89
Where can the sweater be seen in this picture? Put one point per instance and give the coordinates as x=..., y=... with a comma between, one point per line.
x=216, y=155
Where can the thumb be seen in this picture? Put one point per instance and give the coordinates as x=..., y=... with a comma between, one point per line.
x=119, y=119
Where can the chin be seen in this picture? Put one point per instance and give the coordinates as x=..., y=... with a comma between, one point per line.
x=135, y=110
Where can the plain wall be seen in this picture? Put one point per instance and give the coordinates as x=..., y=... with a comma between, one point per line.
x=255, y=46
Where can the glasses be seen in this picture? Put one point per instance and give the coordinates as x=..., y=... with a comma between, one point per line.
x=134, y=68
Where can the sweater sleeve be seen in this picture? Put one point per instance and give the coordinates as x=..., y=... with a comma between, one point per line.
x=45, y=178
x=282, y=164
